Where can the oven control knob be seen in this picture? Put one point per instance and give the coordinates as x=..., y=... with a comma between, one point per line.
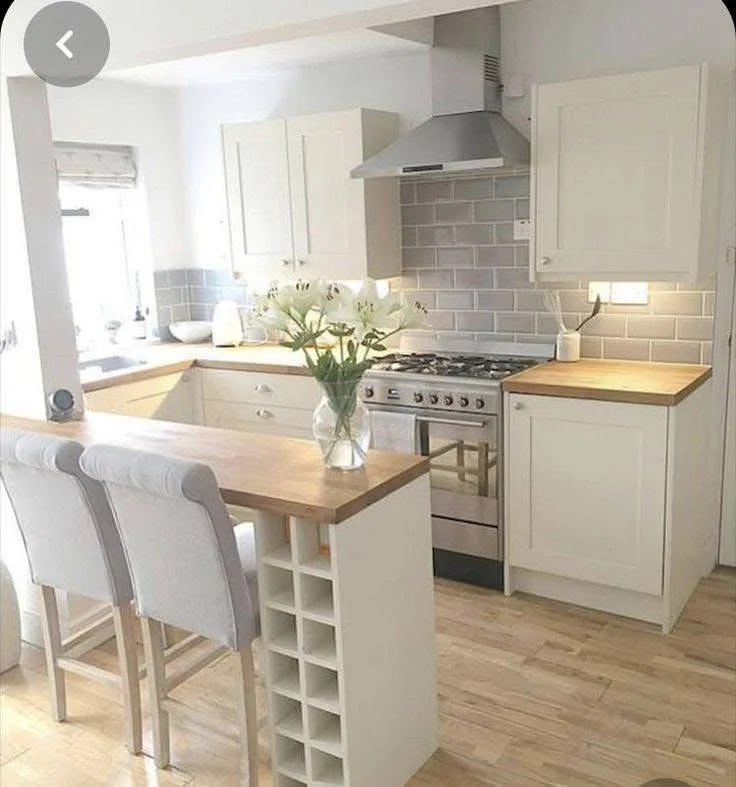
x=448, y=400
x=479, y=404
x=433, y=398
x=368, y=392
x=464, y=401
x=418, y=398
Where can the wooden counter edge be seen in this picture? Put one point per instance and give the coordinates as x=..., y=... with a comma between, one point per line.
x=514, y=385
x=154, y=369
x=323, y=515
x=319, y=513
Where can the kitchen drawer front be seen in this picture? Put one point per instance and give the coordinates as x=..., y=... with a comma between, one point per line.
x=279, y=390
x=285, y=421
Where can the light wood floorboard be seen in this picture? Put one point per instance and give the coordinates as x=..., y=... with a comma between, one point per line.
x=532, y=692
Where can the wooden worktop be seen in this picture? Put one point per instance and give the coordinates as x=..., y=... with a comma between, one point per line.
x=275, y=474
x=169, y=358
x=613, y=381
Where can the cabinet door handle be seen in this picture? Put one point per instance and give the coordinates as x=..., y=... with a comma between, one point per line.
x=545, y=261
x=301, y=263
x=264, y=389
x=285, y=263
x=518, y=406
x=261, y=412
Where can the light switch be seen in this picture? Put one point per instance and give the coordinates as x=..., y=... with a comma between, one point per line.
x=522, y=229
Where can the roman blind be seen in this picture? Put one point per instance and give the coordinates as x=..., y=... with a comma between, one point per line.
x=96, y=165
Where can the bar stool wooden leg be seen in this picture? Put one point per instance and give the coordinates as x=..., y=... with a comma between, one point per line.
x=124, y=621
x=248, y=719
x=52, y=647
x=153, y=645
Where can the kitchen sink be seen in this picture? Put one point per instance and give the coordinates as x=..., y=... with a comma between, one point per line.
x=112, y=363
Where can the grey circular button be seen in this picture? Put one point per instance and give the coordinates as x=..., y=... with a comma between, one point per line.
x=66, y=44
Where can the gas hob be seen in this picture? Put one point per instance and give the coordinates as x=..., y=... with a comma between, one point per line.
x=442, y=380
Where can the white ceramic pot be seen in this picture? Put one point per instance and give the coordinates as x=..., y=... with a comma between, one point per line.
x=568, y=346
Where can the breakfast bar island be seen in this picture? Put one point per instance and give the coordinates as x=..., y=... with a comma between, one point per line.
x=346, y=594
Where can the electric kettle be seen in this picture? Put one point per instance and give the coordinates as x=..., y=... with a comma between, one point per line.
x=227, y=327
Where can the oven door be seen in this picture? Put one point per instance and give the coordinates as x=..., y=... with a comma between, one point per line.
x=464, y=476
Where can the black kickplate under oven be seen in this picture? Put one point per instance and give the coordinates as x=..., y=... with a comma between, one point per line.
x=468, y=568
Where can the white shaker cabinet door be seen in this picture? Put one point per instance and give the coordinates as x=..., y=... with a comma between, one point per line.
x=617, y=168
x=258, y=196
x=328, y=205
x=586, y=489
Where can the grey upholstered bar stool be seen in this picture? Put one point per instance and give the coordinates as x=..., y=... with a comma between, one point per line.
x=190, y=568
x=73, y=545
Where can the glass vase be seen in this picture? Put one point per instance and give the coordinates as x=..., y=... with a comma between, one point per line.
x=341, y=425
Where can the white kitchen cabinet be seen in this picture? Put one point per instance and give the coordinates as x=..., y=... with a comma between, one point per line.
x=276, y=404
x=293, y=207
x=169, y=397
x=625, y=177
x=586, y=489
x=605, y=504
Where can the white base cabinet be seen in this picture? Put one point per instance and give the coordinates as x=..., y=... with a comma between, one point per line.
x=276, y=404
x=606, y=502
x=169, y=397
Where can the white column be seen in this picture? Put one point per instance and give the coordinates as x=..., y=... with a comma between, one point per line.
x=34, y=295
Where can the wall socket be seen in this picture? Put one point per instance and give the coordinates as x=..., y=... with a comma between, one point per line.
x=523, y=229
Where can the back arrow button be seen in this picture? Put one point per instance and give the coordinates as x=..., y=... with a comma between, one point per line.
x=61, y=44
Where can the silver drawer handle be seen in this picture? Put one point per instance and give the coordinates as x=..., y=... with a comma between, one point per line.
x=518, y=406
x=263, y=413
x=545, y=261
x=264, y=389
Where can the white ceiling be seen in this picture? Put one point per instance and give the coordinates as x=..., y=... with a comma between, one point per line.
x=257, y=61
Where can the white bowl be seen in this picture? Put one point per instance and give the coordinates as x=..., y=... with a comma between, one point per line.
x=191, y=332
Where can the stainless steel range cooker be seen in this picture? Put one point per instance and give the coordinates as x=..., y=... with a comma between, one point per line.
x=455, y=396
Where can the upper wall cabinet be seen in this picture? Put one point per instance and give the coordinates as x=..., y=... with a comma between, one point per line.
x=295, y=210
x=625, y=177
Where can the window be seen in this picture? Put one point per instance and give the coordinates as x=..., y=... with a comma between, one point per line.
x=106, y=242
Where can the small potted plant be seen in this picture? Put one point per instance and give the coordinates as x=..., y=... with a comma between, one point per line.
x=314, y=313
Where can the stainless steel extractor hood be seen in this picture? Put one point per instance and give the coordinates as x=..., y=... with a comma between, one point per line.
x=467, y=130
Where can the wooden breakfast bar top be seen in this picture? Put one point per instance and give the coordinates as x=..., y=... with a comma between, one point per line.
x=276, y=474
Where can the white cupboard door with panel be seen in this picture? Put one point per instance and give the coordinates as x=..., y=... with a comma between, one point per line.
x=328, y=206
x=586, y=490
x=258, y=197
x=617, y=176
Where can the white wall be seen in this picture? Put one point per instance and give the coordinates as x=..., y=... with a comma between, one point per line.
x=146, y=118
x=555, y=40
x=399, y=84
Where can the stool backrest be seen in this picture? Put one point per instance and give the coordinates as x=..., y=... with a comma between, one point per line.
x=178, y=540
x=64, y=517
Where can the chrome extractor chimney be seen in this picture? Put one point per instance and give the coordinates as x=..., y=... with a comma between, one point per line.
x=467, y=130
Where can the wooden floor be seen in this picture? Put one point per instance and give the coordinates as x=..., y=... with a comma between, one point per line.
x=532, y=692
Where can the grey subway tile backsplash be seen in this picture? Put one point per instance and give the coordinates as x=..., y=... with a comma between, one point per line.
x=460, y=259
x=496, y=257
x=513, y=186
x=435, y=236
x=474, y=234
x=467, y=262
x=433, y=191
x=453, y=212
x=418, y=258
x=455, y=299
x=474, y=188
x=676, y=352
x=494, y=210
